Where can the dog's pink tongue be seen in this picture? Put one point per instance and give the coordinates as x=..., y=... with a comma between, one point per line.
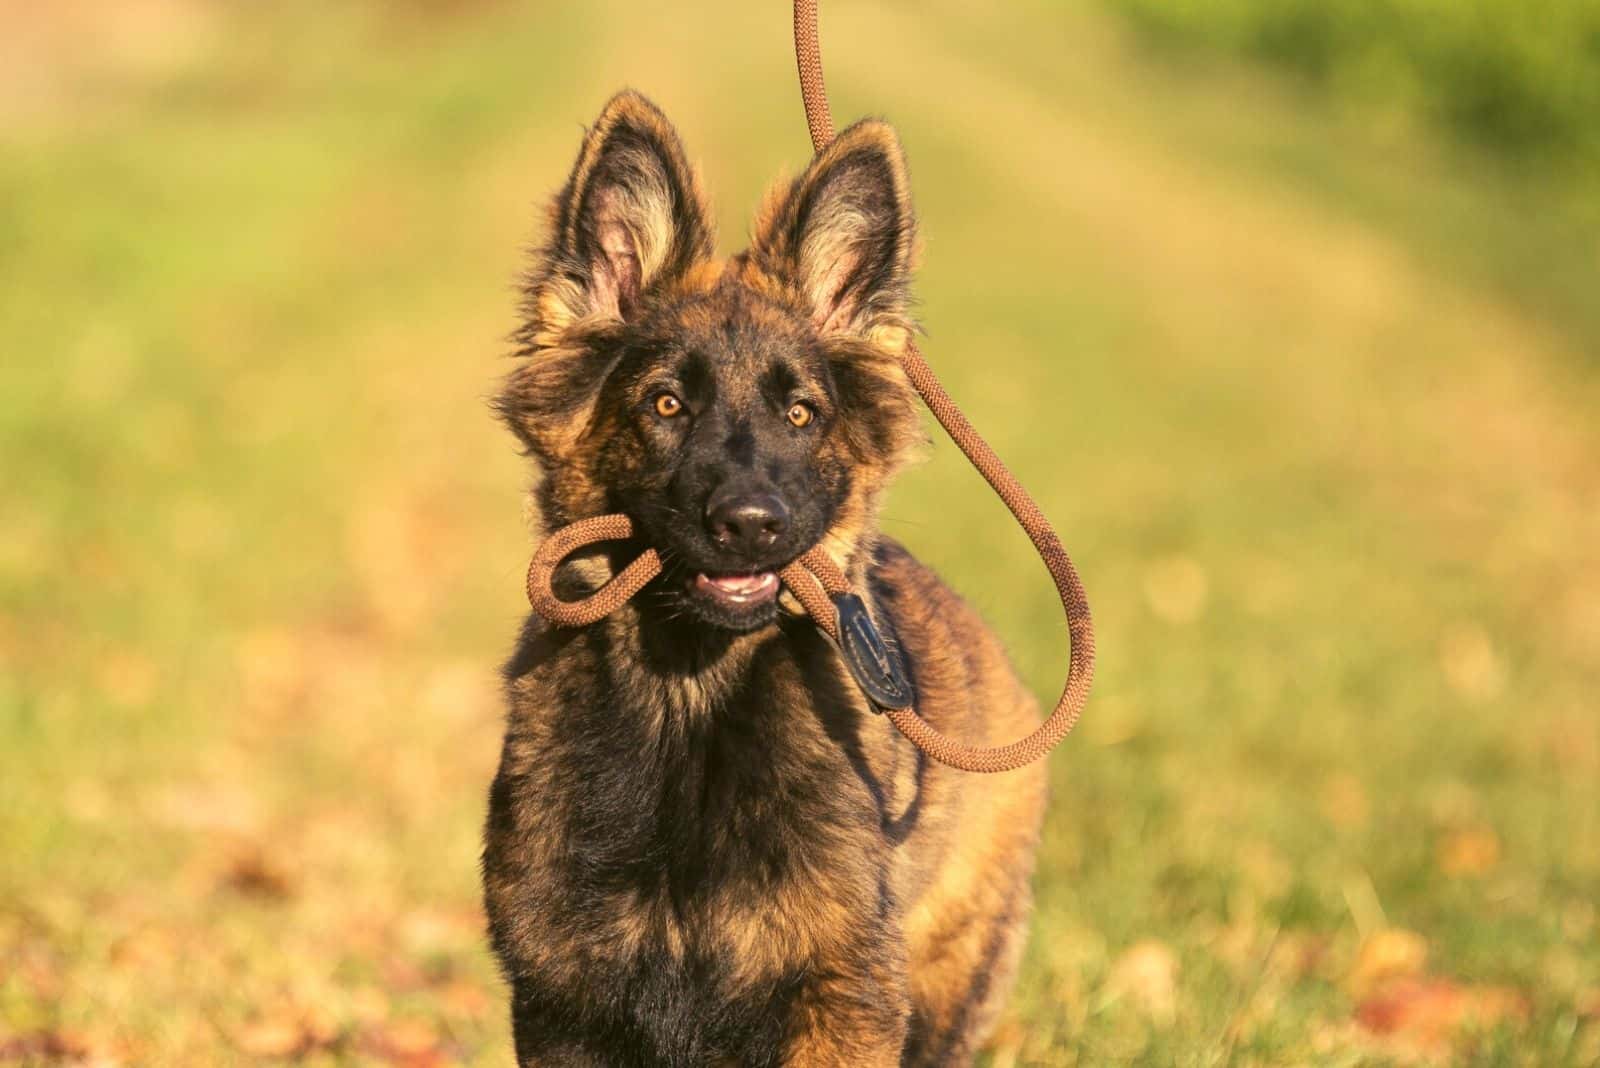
x=744, y=586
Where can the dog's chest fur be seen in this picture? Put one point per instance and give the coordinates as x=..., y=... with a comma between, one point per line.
x=675, y=843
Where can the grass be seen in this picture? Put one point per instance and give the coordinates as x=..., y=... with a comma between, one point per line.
x=1517, y=78
x=1513, y=200
x=1335, y=491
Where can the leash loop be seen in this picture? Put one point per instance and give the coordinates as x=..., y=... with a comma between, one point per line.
x=819, y=585
x=608, y=598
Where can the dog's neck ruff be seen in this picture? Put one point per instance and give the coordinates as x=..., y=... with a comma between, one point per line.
x=816, y=581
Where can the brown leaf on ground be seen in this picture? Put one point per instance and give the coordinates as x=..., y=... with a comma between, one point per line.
x=466, y=999
x=1587, y=1003
x=144, y=948
x=321, y=1025
x=1389, y=954
x=46, y=1047
x=38, y=967
x=403, y=974
x=1434, y=1011
x=251, y=872
x=410, y=1043
x=1472, y=851
x=286, y=1034
x=1147, y=974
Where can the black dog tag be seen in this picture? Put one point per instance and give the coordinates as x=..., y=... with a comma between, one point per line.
x=878, y=669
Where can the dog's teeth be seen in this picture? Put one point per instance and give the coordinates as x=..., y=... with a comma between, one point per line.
x=742, y=587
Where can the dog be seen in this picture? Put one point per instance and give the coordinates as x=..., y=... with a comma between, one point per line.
x=703, y=847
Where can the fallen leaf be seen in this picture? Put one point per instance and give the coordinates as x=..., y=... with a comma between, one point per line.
x=273, y=1037
x=403, y=974
x=286, y=1034
x=411, y=1036
x=464, y=998
x=1147, y=974
x=413, y=1043
x=1473, y=851
x=1388, y=954
x=1433, y=1011
x=37, y=966
x=145, y=948
x=250, y=871
x=321, y=1025
x=44, y=1046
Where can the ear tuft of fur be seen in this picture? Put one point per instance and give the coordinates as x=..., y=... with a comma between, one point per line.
x=631, y=217
x=631, y=220
x=843, y=235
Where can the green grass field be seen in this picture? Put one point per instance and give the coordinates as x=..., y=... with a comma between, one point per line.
x=1291, y=393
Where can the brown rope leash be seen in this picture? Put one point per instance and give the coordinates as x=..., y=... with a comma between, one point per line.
x=816, y=582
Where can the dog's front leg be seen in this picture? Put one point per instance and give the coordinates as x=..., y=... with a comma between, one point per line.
x=845, y=1021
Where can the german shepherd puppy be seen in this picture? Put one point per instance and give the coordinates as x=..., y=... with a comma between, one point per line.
x=703, y=847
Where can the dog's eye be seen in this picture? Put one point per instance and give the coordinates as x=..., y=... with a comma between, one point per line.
x=668, y=406
x=801, y=413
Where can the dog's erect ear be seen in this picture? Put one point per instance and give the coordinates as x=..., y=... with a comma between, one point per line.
x=843, y=233
x=631, y=217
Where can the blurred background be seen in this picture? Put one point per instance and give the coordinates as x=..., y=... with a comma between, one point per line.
x=1286, y=311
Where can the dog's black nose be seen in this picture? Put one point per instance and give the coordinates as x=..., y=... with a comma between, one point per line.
x=747, y=523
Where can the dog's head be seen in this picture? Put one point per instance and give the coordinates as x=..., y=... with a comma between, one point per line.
x=739, y=412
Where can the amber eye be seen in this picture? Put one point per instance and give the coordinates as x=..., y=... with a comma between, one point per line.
x=800, y=414
x=668, y=406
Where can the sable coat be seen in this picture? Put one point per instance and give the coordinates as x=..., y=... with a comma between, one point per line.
x=703, y=847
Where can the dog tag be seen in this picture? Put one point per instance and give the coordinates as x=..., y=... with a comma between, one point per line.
x=878, y=670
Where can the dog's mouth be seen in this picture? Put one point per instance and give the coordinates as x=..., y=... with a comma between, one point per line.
x=738, y=601
x=736, y=590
